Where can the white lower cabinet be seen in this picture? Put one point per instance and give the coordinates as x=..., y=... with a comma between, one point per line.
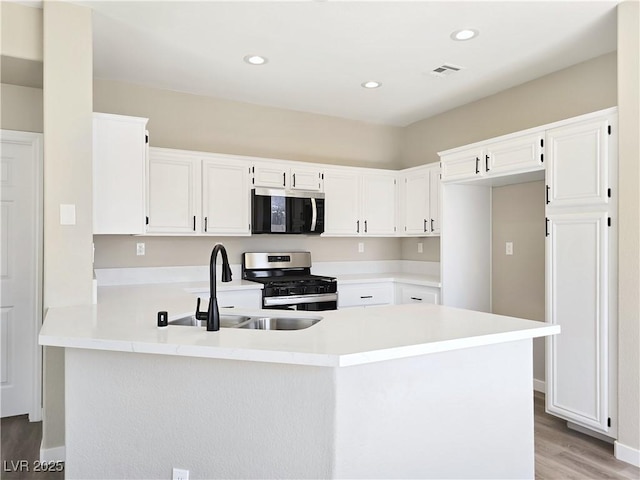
x=577, y=300
x=365, y=294
x=407, y=293
x=247, y=298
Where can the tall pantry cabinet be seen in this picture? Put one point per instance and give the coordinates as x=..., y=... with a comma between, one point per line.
x=577, y=158
x=581, y=272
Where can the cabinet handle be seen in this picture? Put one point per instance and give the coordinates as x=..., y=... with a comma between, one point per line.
x=284, y=179
x=486, y=163
x=416, y=298
x=366, y=296
x=546, y=227
x=547, y=194
x=357, y=226
x=294, y=179
x=194, y=223
x=424, y=225
x=365, y=226
x=205, y=224
x=432, y=225
x=477, y=164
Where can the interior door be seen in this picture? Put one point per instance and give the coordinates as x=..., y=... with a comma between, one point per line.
x=20, y=259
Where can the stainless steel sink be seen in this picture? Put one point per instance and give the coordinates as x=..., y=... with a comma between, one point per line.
x=226, y=321
x=253, y=323
x=279, y=323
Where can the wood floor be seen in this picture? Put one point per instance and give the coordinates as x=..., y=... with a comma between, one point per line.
x=560, y=453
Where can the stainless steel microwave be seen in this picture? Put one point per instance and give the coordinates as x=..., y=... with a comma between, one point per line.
x=289, y=212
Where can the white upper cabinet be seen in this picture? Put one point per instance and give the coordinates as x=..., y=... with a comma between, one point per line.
x=304, y=178
x=287, y=175
x=342, y=202
x=519, y=154
x=270, y=175
x=515, y=153
x=193, y=193
x=119, y=156
x=174, y=198
x=577, y=164
x=360, y=202
x=420, y=200
x=378, y=212
x=225, y=197
x=462, y=165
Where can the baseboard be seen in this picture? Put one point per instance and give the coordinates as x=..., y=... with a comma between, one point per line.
x=56, y=454
x=539, y=385
x=626, y=454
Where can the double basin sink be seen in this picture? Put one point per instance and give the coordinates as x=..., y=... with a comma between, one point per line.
x=252, y=322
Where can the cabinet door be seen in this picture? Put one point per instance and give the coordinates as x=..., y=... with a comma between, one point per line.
x=417, y=294
x=269, y=175
x=378, y=204
x=434, y=200
x=174, y=193
x=225, y=197
x=462, y=165
x=119, y=156
x=342, y=193
x=577, y=300
x=517, y=155
x=577, y=164
x=306, y=179
x=416, y=202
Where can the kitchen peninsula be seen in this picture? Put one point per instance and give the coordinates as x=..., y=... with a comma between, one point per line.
x=406, y=391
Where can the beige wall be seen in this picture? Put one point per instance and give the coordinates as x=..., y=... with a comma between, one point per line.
x=582, y=88
x=21, y=108
x=116, y=251
x=629, y=241
x=68, y=109
x=518, y=283
x=192, y=122
x=21, y=28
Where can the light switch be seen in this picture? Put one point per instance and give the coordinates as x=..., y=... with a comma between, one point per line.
x=509, y=248
x=67, y=214
x=360, y=247
x=419, y=247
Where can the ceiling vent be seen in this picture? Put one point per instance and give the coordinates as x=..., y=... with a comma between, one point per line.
x=445, y=70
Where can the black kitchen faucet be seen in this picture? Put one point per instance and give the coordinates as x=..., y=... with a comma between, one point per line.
x=212, y=316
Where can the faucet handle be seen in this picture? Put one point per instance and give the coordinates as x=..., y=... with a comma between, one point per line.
x=200, y=315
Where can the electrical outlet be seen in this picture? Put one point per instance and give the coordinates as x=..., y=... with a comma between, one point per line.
x=509, y=248
x=180, y=474
x=139, y=249
x=420, y=247
x=360, y=247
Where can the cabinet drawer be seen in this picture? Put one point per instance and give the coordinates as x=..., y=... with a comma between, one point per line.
x=417, y=294
x=361, y=295
x=240, y=299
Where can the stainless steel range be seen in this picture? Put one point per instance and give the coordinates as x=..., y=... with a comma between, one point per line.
x=288, y=283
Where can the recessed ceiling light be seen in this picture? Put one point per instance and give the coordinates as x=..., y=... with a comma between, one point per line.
x=371, y=84
x=466, y=34
x=255, y=60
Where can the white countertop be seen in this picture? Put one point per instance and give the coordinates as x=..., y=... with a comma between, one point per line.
x=124, y=320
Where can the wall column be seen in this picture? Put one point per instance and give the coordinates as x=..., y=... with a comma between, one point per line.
x=628, y=444
x=68, y=106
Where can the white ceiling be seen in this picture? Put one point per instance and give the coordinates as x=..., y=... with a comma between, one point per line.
x=321, y=51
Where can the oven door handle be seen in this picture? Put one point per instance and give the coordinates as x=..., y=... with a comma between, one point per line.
x=300, y=299
x=314, y=214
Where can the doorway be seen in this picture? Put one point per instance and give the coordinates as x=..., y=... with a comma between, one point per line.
x=21, y=254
